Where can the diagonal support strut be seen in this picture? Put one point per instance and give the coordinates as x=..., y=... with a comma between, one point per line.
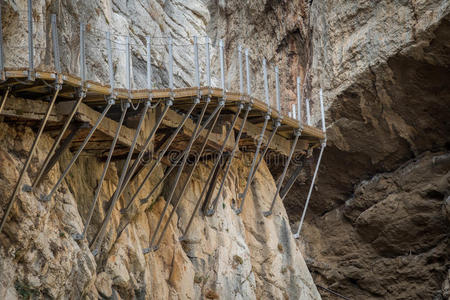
x=30, y=156
x=280, y=181
x=105, y=169
x=160, y=156
x=211, y=211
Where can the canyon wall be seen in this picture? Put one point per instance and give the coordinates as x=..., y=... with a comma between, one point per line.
x=224, y=256
x=378, y=223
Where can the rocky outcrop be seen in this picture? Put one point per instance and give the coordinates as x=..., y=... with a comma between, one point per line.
x=226, y=256
x=376, y=226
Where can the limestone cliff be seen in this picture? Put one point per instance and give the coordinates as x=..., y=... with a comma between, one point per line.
x=225, y=256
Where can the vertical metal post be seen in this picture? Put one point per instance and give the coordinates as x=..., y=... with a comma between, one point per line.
x=170, y=45
x=241, y=72
x=82, y=54
x=30, y=42
x=208, y=63
x=247, y=67
x=222, y=67
x=322, y=112
x=308, y=113
x=294, y=111
x=2, y=65
x=299, y=103
x=197, y=67
x=266, y=84
x=110, y=63
x=277, y=90
x=12, y=199
x=128, y=65
x=55, y=42
x=149, y=64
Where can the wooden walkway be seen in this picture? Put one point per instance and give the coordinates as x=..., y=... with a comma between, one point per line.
x=27, y=104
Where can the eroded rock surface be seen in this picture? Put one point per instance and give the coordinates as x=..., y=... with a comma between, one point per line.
x=225, y=256
x=376, y=226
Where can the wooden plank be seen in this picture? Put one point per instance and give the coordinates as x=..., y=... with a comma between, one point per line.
x=180, y=94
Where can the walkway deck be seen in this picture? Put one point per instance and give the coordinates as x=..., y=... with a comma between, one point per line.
x=29, y=106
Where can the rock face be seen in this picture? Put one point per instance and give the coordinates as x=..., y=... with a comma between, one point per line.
x=377, y=225
x=225, y=256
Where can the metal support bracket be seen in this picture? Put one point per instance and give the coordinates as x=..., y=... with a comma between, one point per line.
x=221, y=152
x=297, y=134
x=322, y=148
x=277, y=124
x=47, y=197
x=99, y=238
x=177, y=178
x=5, y=97
x=30, y=156
x=102, y=177
x=183, y=189
x=175, y=163
x=211, y=211
x=160, y=156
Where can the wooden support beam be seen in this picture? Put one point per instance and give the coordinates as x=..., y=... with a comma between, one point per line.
x=31, y=110
x=107, y=126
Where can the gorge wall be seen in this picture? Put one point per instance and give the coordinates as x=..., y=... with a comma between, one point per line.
x=377, y=225
x=378, y=222
x=225, y=256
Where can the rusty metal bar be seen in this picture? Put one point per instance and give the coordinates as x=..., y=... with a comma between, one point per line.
x=30, y=156
x=160, y=156
x=178, y=176
x=210, y=212
x=102, y=177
